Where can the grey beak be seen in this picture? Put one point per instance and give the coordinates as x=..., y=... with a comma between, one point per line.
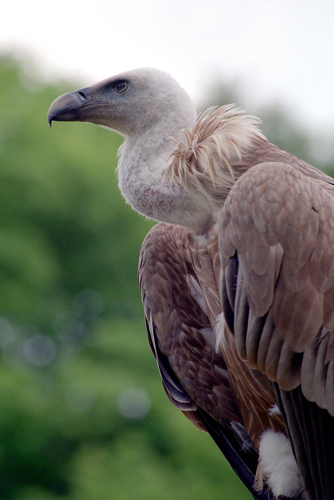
x=69, y=107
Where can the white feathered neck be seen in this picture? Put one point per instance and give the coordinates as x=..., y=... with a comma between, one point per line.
x=179, y=170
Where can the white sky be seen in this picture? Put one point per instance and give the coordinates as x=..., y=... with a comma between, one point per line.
x=279, y=49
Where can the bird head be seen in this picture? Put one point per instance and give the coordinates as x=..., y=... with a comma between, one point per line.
x=129, y=103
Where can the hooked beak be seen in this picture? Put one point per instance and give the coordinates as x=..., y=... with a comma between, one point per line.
x=75, y=106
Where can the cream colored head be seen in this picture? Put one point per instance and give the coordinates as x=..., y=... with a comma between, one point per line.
x=129, y=103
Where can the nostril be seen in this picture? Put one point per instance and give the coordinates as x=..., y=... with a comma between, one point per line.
x=82, y=94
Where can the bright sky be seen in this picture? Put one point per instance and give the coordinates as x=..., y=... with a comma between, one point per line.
x=279, y=49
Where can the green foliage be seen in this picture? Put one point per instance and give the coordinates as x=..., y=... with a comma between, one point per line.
x=64, y=223
x=83, y=414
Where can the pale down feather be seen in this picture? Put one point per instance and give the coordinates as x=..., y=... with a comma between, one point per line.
x=237, y=280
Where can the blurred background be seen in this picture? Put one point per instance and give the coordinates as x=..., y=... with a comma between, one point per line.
x=83, y=415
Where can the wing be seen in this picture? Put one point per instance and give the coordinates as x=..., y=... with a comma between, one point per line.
x=277, y=251
x=194, y=376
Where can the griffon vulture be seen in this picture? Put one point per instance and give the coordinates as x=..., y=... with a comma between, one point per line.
x=237, y=279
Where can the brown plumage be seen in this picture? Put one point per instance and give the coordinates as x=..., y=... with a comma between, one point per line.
x=237, y=280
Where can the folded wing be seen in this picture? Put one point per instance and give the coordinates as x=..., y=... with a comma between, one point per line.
x=193, y=374
x=277, y=251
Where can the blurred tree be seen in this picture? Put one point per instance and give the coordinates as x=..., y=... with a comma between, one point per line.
x=65, y=226
x=83, y=414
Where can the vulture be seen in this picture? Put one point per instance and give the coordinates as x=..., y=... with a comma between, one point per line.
x=237, y=277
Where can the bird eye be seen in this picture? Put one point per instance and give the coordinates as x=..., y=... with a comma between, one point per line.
x=121, y=86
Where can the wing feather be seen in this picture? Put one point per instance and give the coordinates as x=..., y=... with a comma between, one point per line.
x=180, y=332
x=278, y=225
x=194, y=375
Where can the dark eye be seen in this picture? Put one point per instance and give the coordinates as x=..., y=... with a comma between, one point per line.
x=121, y=86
